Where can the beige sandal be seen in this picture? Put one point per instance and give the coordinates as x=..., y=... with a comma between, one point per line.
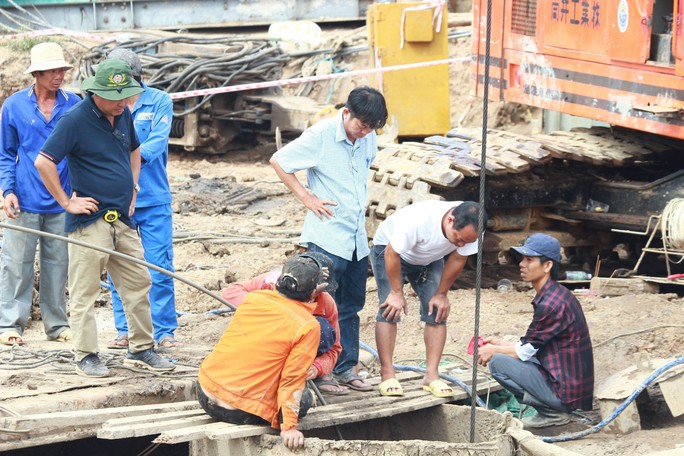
x=11, y=338
x=65, y=336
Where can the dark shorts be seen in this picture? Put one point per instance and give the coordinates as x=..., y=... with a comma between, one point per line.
x=423, y=279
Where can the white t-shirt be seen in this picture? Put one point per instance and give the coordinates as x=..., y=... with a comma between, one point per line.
x=415, y=233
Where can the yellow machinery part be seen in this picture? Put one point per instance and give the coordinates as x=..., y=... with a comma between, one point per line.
x=418, y=98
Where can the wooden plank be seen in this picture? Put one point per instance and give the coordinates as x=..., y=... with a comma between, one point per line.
x=88, y=417
x=358, y=406
x=189, y=433
x=151, y=428
x=383, y=409
x=614, y=286
x=236, y=432
x=65, y=435
x=144, y=419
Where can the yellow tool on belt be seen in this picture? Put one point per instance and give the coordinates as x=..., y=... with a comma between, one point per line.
x=111, y=216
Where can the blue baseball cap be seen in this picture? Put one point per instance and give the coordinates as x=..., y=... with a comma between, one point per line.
x=540, y=244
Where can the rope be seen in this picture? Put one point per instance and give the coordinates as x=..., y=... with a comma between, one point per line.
x=672, y=225
x=480, y=220
x=22, y=358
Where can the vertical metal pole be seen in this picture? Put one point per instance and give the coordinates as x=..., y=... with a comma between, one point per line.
x=94, y=16
x=480, y=225
x=320, y=397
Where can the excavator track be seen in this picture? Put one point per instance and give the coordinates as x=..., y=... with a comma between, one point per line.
x=534, y=182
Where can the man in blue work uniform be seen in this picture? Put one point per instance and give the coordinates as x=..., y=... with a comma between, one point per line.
x=28, y=118
x=152, y=113
x=337, y=153
x=99, y=139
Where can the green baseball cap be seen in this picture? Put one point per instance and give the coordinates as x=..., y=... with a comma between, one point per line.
x=113, y=81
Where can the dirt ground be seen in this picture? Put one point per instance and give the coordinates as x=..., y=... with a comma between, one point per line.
x=234, y=220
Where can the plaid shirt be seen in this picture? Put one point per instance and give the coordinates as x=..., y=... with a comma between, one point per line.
x=559, y=332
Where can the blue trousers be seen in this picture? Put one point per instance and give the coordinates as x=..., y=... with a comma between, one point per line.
x=350, y=298
x=17, y=274
x=156, y=233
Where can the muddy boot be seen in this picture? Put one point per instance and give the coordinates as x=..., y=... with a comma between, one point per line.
x=545, y=418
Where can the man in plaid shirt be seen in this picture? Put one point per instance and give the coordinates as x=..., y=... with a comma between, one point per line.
x=551, y=367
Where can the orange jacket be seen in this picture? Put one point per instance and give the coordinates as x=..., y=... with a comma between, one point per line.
x=325, y=307
x=259, y=365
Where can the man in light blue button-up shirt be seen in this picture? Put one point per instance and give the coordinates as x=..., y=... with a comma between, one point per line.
x=336, y=154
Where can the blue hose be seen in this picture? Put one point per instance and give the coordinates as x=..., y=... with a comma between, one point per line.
x=401, y=367
x=651, y=378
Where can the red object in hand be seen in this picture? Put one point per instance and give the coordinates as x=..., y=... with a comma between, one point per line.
x=471, y=345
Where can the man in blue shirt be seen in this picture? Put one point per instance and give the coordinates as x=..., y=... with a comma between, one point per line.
x=99, y=139
x=152, y=113
x=336, y=154
x=28, y=118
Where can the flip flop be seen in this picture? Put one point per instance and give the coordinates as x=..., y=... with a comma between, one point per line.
x=391, y=384
x=120, y=343
x=168, y=342
x=7, y=336
x=64, y=336
x=437, y=388
x=349, y=382
x=322, y=382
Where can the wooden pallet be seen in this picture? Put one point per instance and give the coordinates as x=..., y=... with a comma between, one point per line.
x=352, y=408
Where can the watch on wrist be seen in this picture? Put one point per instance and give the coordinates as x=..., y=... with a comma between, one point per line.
x=136, y=187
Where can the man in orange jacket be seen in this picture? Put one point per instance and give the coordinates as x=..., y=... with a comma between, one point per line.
x=326, y=313
x=256, y=373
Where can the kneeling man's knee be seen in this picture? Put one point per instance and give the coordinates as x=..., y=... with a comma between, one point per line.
x=495, y=364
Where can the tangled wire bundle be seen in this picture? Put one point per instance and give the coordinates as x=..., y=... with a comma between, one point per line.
x=211, y=62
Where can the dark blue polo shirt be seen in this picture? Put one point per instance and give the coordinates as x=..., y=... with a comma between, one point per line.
x=99, y=159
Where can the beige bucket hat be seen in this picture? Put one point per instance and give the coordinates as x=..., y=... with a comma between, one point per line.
x=47, y=56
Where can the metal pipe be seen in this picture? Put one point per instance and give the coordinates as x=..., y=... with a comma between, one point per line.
x=120, y=255
x=319, y=395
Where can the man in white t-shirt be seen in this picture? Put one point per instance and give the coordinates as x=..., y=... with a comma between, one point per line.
x=412, y=243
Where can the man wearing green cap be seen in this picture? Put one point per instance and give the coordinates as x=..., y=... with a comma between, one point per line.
x=99, y=139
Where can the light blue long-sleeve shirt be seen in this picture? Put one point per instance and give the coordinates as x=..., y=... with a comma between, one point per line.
x=23, y=130
x=336, y=170
x=152, y=115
